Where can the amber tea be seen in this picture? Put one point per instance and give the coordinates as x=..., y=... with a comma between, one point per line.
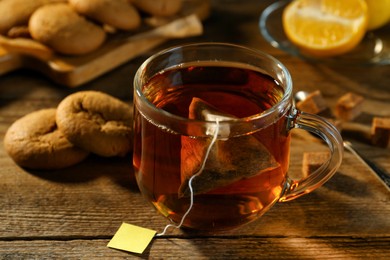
x=212, y=126
x=243, y=175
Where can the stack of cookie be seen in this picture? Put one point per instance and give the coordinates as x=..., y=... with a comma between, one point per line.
x=83, y=123
x=77, y=27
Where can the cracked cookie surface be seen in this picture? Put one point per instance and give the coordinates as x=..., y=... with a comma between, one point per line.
x=97, y=122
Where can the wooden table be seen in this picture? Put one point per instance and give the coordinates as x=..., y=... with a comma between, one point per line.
x=74, y=212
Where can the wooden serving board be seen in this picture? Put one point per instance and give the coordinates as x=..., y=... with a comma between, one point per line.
x=73, y=71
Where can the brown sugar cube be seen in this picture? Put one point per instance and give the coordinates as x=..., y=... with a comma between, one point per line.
x=314, y=103
x=349, y=106
x=380, y=131
x=312, y=161
x=357, y=131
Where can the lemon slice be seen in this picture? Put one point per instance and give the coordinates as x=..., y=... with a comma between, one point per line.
x=325, y=27
x=378, y=13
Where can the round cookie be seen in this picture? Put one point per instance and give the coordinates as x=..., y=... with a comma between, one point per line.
x=35, y=142
x=119, y=13
x=159, y=7
x=17, y=12
x=64, y=30
x=97, y=122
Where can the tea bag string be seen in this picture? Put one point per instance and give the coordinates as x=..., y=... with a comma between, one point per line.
x=213, y=140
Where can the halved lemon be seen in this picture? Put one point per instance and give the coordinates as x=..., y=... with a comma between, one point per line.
x=378, y=13
x=325, y=27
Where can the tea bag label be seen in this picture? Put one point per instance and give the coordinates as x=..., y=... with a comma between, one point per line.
x=131, y=238
x=230, y=159
x=223, y=131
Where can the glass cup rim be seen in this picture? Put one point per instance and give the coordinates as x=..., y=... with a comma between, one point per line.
x=274, y=112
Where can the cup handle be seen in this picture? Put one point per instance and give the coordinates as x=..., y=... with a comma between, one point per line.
x=319, y=126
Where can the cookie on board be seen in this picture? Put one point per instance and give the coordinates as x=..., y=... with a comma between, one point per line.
x=119, y=14
x=17, y=12
x=65, y=31
x=159, y=7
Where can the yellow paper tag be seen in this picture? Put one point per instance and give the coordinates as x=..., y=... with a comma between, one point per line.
x=131, y=238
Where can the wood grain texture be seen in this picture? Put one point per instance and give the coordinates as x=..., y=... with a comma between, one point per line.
x=205, y=248
x=72, y=213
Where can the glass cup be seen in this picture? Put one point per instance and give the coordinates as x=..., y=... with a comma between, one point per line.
x=212, y=135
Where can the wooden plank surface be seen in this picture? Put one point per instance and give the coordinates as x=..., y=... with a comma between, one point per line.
x=73, y=213
x=205, y=248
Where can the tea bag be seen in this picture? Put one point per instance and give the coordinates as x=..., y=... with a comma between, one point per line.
x=229, y=160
